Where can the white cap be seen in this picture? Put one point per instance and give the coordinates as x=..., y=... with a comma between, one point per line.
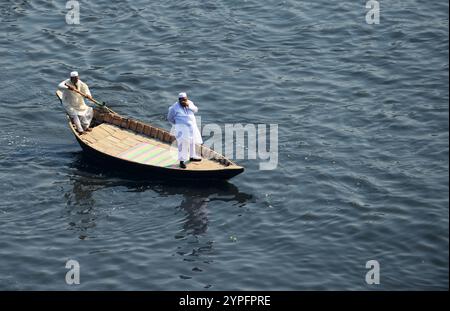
x=74, y=74
x=182, y=95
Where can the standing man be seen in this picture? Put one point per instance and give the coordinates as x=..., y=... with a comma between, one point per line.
x=181, y=115
x=80, y=113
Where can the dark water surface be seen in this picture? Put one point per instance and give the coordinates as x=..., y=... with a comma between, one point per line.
x=363, y=145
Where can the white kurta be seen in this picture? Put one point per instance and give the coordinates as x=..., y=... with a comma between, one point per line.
x=74, y=104
x=185, y=129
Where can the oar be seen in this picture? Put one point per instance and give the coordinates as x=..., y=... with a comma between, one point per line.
x=102, y=105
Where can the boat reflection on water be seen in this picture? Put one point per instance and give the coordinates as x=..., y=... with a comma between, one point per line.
x=196, y=221
x=87, y=177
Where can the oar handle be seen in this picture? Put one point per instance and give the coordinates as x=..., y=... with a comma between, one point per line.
x=82, y=94
x=88, y=97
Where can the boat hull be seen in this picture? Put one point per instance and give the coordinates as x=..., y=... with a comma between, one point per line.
x=148, y=171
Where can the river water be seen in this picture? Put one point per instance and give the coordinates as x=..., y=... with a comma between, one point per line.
x=362, y=174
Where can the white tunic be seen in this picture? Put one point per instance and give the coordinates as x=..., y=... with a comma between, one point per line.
x=185, y=124
x=74, y=102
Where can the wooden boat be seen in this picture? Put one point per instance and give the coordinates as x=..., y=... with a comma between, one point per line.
x=144, y=149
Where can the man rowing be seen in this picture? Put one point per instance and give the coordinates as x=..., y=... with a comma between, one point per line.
x=181, y=116
x=80, y=113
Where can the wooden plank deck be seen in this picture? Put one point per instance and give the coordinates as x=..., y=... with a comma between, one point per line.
x=125, y=144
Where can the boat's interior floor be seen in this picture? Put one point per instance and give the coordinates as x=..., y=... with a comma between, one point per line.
x=125, y=144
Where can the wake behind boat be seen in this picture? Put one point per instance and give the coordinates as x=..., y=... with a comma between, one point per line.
x=147, y=150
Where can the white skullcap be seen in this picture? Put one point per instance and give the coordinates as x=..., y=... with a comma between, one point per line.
x=182, y=95
x=74, y=74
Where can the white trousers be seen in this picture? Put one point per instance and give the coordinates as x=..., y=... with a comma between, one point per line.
x=82, y=122
x=186, y=149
